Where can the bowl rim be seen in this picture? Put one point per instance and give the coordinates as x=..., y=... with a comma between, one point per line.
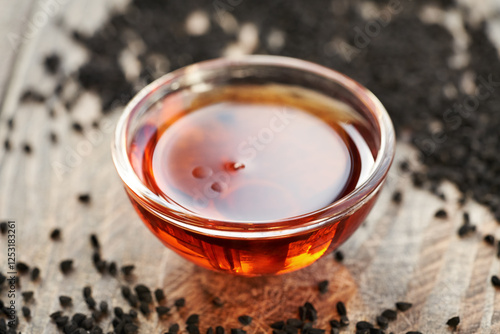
x=186, y=219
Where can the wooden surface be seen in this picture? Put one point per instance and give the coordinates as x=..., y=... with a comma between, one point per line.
x=402, y=253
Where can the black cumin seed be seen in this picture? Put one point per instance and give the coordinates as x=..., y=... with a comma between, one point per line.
x=344, y=321
x=61, y=321
x=382, y=322
x=237, y=331
x=65, y=300
x=7, y=145
x=84, y=198
x=466, y=218
x=10, y=123
x=334, y=330
x=413, y=332
x=127, y=270
x=66, y=266
x=495, y=281
x=103, y=306
x=314, y=331
x=390, y=315
x=3, y=227
x=294, y=330
x=144, y=308
x=335, y=323
x=397, y=197
x=91, y=303
x=441, y=213
x=55, y=234
x=118, y=311
x=465, y=230
x=52, y=63
x=159, y=295
x=453, y=322
x=302, y=313
x=173, y=329
x=35, y=273
x=27, y=296
x=133, y=314
x=94, y=241
x=31, y=95
x=341, y=310
x=87, y=324
x=193, y=319
x=210, y=330
x=361, y=325
x=219, y=330
x=218, y=302
x=143, y=293
x=112, y=269
x=181, y=302
x=77, y=127
x=323, y=287
x=22, y=267
x=27, y=148
x=489, y=239
x=245, y=320
x=130, y=328
x=55, y=315
x=53, y=137
x=277, y=325
x=87, y=292
x=162, y=310
x=78, y=318
x=311, y=313
x=403, y=306
x=339, y=256
x=297, y=323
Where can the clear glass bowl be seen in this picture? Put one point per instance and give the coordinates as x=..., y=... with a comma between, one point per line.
x=255, y=247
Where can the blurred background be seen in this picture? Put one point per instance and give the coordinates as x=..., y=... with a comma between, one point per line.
x=69, y=66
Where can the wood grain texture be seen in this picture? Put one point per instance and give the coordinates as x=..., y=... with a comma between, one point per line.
x=401, y=253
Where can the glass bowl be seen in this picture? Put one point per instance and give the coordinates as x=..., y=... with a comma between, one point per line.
x=252, y=248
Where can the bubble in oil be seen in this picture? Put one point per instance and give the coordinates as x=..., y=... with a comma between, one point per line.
x=201, y=172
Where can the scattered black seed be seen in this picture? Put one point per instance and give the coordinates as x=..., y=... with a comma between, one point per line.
x=403, y=306
x=33, y=96
x=323, y=287
x=52, y=63
x=245, y=320
x=77, y=127
x=91, y=303
x=218, y=302
x=278, y=325
x=55, y=315
x=489, y=239
x=297, y=323
x=311, y=313
x=397, y=197
x=174, y=329
x=382, y=321
x=162, y=310
x=237, y=331
x=335, y=323
x=313, y=331
x=27, y=296
x=94, y=241
x=6, y=144
x=112, y=269
x=35, y=273
x=65, y=300
x=61, y=321
x=334, y=330
x=53, y=137
x=159, y=295
x=339, y=256
x=390, y=315
x=3, y=227
x=55, y=234
x=210, y=330
x=495, y=281
x=344, y=321
x=27, y=148
x=193, y=329
x=453, y=322
x=466, y=218
x=193, y=319
x=361, y=325
x=66, y=266
x=26, y=311
x=128, y=269
x=180, y=302
x=84, y=198
x=144, y=308
x=78, y=318
x=87, y=292
x=413, y=332
x=219, y=330
x=341, y=310
x=465, y=230
x=441, y=214
x=133, y=314
x=103, y=306
x=22, y=267
x=143, y=293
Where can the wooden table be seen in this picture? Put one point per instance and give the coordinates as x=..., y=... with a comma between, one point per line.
x=402, y=253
